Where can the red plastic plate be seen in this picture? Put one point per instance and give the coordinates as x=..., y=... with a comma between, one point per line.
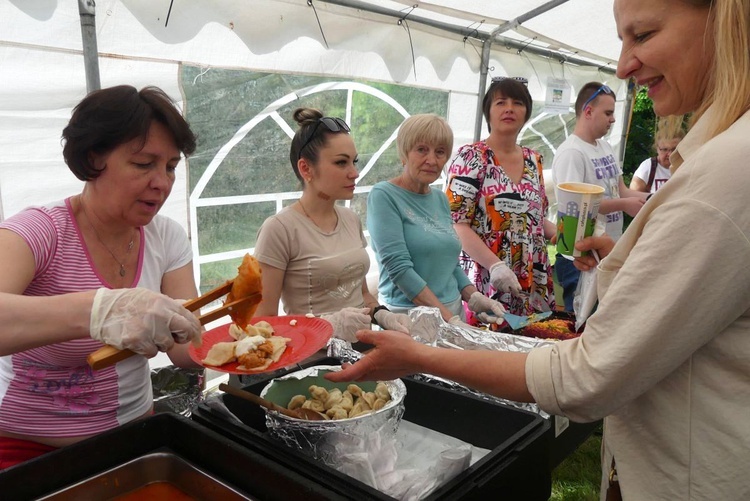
x=307, y=337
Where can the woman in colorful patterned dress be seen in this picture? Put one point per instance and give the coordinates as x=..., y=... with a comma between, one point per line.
x=498, y=203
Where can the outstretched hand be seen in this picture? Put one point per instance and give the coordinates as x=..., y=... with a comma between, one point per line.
x=394, y=355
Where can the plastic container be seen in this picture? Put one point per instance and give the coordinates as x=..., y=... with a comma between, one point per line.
x=515, y=468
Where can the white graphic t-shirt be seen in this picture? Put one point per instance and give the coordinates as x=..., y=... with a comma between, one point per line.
x=581, y=162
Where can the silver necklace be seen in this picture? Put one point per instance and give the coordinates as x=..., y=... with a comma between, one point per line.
x=311, y=219
x=96, y=233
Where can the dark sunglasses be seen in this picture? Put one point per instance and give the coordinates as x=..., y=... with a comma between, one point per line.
x=333, y=124
x=601, y=89
x=522, y=80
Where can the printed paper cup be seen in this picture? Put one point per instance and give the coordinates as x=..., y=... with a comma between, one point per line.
x=577, y=208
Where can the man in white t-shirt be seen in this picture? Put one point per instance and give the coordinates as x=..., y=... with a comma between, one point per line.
x=586, y=158
x=654, y=172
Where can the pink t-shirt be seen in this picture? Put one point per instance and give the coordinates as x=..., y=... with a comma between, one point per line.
x=51, y=391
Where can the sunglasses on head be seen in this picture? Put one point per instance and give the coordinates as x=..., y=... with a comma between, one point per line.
x=333, y=124
x=522, y=80
x=601, y=89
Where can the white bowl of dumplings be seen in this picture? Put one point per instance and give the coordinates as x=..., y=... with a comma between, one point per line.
x=360, y=412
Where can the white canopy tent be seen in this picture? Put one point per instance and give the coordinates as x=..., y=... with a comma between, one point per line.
x=450, y=47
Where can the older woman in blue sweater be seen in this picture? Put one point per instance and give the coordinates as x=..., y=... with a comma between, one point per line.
x=412, y=231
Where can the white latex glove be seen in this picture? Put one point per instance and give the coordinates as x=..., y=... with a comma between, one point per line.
x=141, y=320
x=393, y=321
x=503, y=279
x=487, y=310
x=456, y=320
x=347, y=321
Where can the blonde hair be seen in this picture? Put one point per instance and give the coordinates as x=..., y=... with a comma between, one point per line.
x=669, y=128
x=729, y=83
x=428, y=128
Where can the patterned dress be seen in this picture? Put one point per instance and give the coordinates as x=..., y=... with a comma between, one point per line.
x=507, y=216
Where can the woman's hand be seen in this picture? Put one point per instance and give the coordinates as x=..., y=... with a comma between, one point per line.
x=394, y=355
x=487, y=310
x=393, y=321
x=141, y=320
x=347, y=321
x=503, y=279
x=603, y=245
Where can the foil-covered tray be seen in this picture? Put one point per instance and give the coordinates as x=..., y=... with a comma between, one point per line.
x=429, y=328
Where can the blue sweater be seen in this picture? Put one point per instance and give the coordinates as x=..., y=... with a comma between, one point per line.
x=415, y=244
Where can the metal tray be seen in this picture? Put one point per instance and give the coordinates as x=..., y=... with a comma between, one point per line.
x=190, y=456
x=149, y=469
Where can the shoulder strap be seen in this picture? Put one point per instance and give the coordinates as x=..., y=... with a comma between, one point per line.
x=652, y=174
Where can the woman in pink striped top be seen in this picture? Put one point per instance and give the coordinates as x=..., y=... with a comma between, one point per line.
x=98, y=267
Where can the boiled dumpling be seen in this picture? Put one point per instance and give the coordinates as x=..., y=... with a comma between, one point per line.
x=296, y=402
x=318, y=393
x=334, y=398
x=347, y=401
x=381, y=391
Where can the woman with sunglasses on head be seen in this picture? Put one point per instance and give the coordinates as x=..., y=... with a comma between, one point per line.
x=654, y=172
x=312, y=254
x=499, y=203
x=412, y=234
x=666, y=355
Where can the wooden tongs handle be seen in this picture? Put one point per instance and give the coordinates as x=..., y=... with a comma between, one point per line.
x=109, y=355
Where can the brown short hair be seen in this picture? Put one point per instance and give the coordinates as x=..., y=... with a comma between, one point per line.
x=508, y=87
x=109, y=117
x=587, y=91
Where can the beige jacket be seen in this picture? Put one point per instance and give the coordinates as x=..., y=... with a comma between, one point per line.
x=666, y=357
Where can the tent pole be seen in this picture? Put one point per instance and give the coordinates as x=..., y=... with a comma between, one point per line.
x=510, y=25
x=87, y=11
x=627, y=112
x=482, y=87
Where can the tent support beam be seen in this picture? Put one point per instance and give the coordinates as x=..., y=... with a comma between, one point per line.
x=87, y=11
x=471, y=33
x=510, y=25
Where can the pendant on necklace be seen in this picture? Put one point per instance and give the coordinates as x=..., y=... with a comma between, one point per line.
x=122, y=271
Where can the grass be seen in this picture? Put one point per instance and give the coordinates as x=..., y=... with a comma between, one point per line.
x=578, y=477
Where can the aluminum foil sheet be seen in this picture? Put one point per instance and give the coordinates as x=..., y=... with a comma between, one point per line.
x=343, y=350
x=332, y=440
x=430, y=328
x=176, y=389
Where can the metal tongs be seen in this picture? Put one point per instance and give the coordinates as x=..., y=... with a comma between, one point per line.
x=109, y=355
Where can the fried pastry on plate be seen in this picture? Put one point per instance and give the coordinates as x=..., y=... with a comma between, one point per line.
x=247, y=283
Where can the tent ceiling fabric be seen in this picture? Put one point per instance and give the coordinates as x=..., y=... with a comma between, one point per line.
x=142, y=42
x=560, y=28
